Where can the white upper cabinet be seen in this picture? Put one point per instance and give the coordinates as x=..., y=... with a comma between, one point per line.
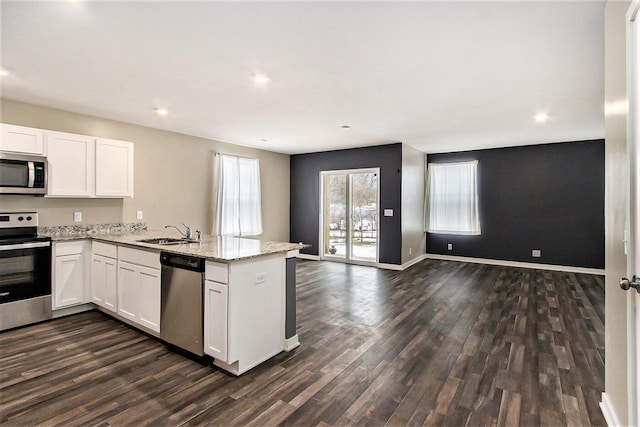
x=71, y=165
x=114, y=168
x=20, y=139
x=84, y=166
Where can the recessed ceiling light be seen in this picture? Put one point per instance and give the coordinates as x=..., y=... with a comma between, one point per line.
x=541, y=117
x=261, y=78
x=264, y=140
x=161, y=111
x=4, y=72
x=345, y=127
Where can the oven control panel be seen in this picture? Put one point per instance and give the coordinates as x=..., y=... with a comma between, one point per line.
x=18, y=219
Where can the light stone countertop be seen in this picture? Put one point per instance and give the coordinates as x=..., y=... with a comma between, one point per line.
x=214, y=248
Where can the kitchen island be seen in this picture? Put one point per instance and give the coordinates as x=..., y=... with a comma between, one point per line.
x=248, y=289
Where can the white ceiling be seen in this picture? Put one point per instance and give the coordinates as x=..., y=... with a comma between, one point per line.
x=439, y=76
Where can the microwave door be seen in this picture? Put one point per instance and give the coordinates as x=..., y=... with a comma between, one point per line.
x=15, y=174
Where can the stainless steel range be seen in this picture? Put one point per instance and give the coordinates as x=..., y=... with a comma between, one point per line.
x=25, y=271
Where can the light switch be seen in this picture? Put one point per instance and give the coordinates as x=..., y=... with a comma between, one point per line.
x=388, y=212
x=77, y=216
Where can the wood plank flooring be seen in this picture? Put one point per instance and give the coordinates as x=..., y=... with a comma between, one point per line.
x=442, y=343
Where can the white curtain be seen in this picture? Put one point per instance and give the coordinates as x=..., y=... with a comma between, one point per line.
x=452, y=198
x=238, y=201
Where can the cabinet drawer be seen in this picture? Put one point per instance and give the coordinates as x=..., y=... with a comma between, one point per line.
x=69, y=248
x=139, y=257
x=216, y=272
x=105, y=249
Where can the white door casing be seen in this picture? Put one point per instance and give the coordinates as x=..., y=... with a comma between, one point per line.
x=633, y=248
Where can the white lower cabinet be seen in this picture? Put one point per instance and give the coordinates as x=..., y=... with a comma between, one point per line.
x=70, y=273
x=244, y=311
x=215, y=323
x=149, y=308
x=104, y=275
x=139, y=287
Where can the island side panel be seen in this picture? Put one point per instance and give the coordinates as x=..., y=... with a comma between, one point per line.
x=256, y=311
x=290, y=321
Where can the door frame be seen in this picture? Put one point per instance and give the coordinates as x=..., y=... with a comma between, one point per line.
x=633, y=209
x=348, y=237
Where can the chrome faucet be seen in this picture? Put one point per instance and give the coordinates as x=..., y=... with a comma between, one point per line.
x=186, y=235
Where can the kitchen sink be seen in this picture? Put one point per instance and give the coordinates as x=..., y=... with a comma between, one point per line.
x=166, y=241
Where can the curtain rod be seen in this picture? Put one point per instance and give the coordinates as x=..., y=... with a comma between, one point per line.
x=235, y=155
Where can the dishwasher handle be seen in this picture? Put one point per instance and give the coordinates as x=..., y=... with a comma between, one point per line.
x=183, y=262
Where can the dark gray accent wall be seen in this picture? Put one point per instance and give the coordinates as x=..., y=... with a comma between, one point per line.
x=548, y=197
x=305, y=197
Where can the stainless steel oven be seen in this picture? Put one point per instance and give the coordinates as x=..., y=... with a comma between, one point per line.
x=21, y=174
x=25, y=271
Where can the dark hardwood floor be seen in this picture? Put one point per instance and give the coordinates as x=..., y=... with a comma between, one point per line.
x=442, y=343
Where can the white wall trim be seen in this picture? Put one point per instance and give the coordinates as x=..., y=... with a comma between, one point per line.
x=67, y=311
x=402, y=266
x=533, y=265
x=291, y=343
x=607, y=410
x=308, y=256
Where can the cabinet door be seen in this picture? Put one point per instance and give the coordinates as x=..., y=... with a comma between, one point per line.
x=71, y=165
x=114, y=168
x=149, y=314
x=69, y=280
x=215, y=320
x=128, y=290
x=20, y=139
x=97, y=280
x=110, y=284
x=104, y=282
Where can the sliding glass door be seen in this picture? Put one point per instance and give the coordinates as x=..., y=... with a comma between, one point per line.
x=350, y=215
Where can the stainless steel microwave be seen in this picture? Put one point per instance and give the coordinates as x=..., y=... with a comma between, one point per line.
x=20, y=174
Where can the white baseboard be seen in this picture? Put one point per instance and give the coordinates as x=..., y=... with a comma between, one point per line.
x=397, y=267
x=533, y=265
x=567, y=268
x=609, y=413
x=309, y=257
x=67, y=311
x=400, y=267
x=291, y=343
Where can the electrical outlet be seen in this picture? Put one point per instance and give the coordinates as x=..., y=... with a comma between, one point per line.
x=260, y=278
x=410, y=250
x=77, y=216
x=449, y=246
x=139, y=215
x=536, y=253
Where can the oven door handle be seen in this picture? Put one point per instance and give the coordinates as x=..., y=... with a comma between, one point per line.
x=24, y=246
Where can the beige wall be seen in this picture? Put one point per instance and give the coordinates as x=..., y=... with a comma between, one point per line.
x=615, y=208
x=172, y=176
x=413, y=236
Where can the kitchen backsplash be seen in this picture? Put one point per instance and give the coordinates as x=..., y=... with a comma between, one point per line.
x=79, y=230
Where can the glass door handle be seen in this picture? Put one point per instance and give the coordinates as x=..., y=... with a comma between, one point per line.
x=627, y=284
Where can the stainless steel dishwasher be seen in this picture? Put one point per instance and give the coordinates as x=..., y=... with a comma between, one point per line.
x=181, y=314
